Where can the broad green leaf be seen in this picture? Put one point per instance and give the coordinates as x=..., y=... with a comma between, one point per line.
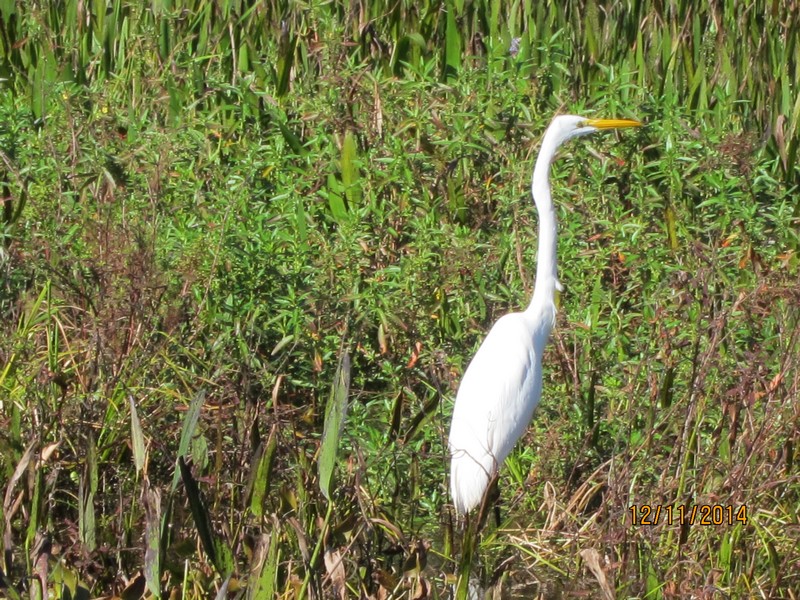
x=592, y=30
x=137, y=437
x=335, y=416
x=260, y=475
x=452, y=49
x=215, y=547
x=335, y=199
x=350, y=170
x=286, y=47
x=266, y=580
x=187, y=432
x=152, y=526
x=294, y=142
x=672, y=235
x=86, y=491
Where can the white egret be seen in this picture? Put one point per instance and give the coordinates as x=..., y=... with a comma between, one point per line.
x=503, y=383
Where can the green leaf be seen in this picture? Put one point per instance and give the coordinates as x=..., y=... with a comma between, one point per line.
x=264, y=585
x=244, y=58
x=137, y=438
x=216, y=549
x=164, y=43
x=260, y=475
x=152, y=552
x=286, y=47
x=452, y=49
x=669, y=219
x=335, y=416
x=350, y=171
x=455, y=195
x=402, y=51
x=86, y=491
x=288, y=135
x=335, y=199
x=187, y=433
x=592, y=30
x=301, y=226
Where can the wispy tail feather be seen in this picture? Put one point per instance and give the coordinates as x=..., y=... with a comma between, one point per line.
x=469, y=478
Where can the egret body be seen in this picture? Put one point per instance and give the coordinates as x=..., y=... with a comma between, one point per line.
x=503, y=383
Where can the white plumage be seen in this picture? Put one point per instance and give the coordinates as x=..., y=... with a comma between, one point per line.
x=503, y=383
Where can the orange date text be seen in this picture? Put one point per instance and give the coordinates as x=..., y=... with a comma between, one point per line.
x=685, y=514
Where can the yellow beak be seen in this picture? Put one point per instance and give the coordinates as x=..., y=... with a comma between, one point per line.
x=612, y=123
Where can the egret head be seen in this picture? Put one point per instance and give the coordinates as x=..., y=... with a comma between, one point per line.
x=566, y=127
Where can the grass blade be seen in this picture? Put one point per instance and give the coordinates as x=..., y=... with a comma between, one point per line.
x=267, y=555
x=137, y=437
x=217, y=551
x=335, y=415
x=452, y=50
x=260, y=475
x=189, y=426
x=350, y=172
x=152, y=552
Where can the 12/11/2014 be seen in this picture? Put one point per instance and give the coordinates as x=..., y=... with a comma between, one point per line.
x=703, y=514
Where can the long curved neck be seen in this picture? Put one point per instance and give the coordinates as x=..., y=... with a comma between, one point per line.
x=546, y=261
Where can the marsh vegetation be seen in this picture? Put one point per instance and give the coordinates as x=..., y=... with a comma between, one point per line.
x=222, y=220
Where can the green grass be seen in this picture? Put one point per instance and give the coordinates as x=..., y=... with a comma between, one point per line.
x=201, y=221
